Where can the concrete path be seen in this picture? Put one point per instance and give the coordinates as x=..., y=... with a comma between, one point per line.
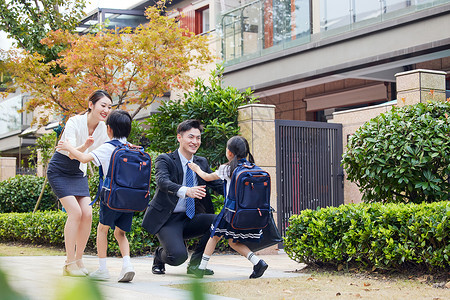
x=39, y=276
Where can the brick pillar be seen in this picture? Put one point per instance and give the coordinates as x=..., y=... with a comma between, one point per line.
x=7, y=167
x=257, y=125
x=420, y=86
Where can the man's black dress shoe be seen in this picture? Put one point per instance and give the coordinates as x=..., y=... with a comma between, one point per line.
x=259, y=269
x=158, y=266
x=193, y=270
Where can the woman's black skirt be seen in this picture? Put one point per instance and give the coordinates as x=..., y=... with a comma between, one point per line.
x=66, y=178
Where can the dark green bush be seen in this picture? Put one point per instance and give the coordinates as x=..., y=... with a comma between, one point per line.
x=372, y=235
x=402, y=155
x=20, y=193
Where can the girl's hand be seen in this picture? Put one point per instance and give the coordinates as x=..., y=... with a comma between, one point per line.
x=63, y=145
x=89, y=141
x=194, y=167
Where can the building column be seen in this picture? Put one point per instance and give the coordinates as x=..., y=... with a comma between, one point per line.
x=420, y=85
x=7, y=167
x=257, y=125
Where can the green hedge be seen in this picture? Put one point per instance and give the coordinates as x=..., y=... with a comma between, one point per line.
x=385, y=236
x=20, y=193
x=47, y=228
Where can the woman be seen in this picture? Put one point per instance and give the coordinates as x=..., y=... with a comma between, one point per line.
x=68, y=179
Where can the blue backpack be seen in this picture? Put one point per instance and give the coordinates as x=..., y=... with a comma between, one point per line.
x=126, y=187
x=247, y=205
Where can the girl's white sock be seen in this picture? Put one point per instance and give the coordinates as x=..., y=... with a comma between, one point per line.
x=204, y=262
x=253, y=258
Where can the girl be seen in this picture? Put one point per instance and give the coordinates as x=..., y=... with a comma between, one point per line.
x=237, y=151
x=68, y=179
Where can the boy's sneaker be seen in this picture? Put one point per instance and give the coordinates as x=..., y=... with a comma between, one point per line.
x=100, y=274
x=127, y=274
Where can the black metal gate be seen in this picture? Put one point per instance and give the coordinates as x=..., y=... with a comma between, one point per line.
x=309, y=174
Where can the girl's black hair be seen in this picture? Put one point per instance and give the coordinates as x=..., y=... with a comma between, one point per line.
x=97, y=95
x=240, y=149
x=120, y=123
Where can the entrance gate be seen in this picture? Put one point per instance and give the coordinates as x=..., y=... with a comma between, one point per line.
x=309, y=174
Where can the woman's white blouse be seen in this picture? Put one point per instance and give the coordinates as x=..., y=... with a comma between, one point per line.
x=76, y=132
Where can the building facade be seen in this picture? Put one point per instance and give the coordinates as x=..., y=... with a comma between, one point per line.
x=311, y=58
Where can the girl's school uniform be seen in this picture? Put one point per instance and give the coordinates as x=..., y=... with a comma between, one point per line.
x=220, y=227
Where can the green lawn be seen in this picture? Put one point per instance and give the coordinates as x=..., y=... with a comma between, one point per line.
x=14, y=249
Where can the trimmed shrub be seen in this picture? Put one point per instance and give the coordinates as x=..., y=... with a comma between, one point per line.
x=385, y=236
x=20, y=194
x=47, y=228
x=402, y=155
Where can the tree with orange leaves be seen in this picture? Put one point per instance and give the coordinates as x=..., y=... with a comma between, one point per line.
x=134, y=65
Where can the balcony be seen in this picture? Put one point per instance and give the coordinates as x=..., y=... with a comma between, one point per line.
x=262, y=27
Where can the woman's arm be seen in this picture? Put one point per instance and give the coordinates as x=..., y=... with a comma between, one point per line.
x=74, y=152
x=203, y=174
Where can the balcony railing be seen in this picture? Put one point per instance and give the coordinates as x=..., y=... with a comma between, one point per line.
x=267, y=26
x=254, y=29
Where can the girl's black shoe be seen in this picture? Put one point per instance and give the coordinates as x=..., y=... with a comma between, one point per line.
x=259, y=269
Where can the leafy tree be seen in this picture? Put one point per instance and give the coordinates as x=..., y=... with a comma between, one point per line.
x=214, y=105
x=29, y=21
x=134, y=66
x=46, y=145
x=403, y=155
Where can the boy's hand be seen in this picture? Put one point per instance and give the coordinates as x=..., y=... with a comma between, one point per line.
x=89, y=141
x=194, y=167
x=63, y=145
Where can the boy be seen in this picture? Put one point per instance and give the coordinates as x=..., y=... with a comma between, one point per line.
x=118, y=127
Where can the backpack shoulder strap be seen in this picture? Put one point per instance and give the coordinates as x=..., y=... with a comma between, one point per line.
x=116, y=144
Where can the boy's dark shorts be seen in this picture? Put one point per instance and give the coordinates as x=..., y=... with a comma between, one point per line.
x=113, y=218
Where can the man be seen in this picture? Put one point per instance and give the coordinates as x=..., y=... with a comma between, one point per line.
x=181, y=208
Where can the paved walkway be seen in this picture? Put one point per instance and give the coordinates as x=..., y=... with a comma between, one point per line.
x=39, y=276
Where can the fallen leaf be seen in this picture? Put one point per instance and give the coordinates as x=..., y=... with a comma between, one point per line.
x=357, y=295
x=366, y=284
x=338, y=294
x=367, y=290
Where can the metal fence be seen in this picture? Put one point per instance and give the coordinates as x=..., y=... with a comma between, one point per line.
x=309, y=174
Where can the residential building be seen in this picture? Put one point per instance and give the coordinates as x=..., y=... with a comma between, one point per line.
x=313, y=57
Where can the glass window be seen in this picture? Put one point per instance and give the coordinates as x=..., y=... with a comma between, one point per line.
x=205, y=20
x=10, y=119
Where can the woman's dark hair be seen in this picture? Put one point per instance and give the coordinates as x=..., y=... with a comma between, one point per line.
x=120, y=123
x=240, y=149
x=97, y=95
x=188, y=125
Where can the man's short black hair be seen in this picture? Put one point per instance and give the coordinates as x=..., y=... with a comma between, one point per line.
x=120, y=123
x=188, y=125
